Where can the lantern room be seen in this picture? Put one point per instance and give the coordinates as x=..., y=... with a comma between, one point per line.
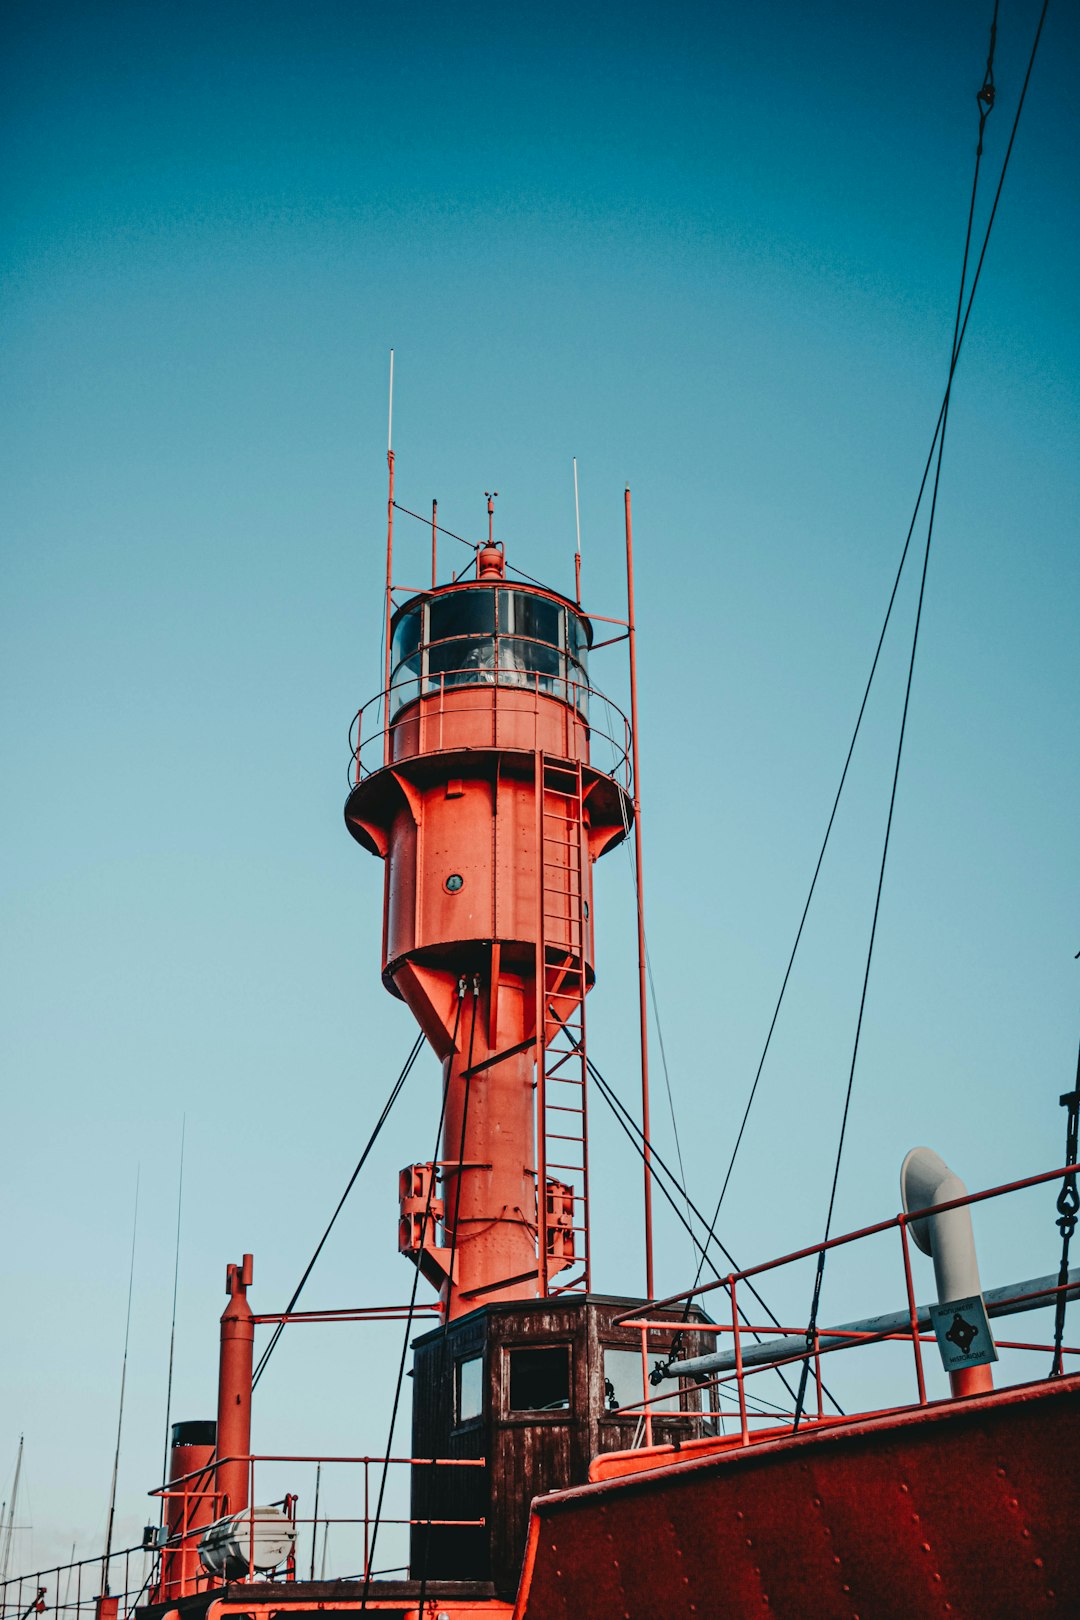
x=477, y=634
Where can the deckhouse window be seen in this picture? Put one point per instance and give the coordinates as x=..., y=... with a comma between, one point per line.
x=623, y=1381
x=469, y=1389
x=540, y=1378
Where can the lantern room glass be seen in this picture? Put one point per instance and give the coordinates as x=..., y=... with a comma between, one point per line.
x=490, y=636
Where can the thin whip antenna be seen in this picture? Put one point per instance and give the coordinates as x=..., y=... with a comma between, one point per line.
x=123, y=1386
x=315, y=1518
x=9, y=1527
x=390, y=416
x=172, y=1329
x=67, y=1579
x=577, y=521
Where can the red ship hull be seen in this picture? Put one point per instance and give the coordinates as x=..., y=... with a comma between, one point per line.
x=968, y=1509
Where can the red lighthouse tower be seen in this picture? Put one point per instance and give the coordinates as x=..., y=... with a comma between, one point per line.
x=489, y=776
x=486, y=805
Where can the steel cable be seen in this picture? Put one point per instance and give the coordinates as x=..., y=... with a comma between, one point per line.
x=958, y=343
x=381, y=1121
x=453, y=1255
x=472, y=544
x=425, y=1219
x=985, y=103
x=636, y=1137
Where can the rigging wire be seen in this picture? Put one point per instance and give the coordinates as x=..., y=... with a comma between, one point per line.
x=985, y=101
x=618, y=1109
x=443, y=1348
x=439, y=527
x=988, y=85
x=123, y=1387
x=380, y=1122
x=425, y=1219
x=628, y=846
x=636, y=1137
x=172, y=1329
x=472, y=545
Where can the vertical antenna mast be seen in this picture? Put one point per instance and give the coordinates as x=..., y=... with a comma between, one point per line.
x=8, y=1529
x=642, y=1012
x=390, y=414
x=389, y=561
x=172, y=1330
x=123, y=1385
x=577, y=553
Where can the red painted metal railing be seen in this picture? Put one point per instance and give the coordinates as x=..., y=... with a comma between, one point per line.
x=739, y=1326
x=430, y=701
x=134, y=1577
x=355, y=1554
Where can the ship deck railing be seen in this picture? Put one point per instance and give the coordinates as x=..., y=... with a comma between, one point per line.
x=78, y=1586
x=131, y=1577
x=756, y=1419
x=353, y=1553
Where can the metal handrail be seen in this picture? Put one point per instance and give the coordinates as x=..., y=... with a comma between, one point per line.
x=643, y=1319
x=28, y=1593
x=369, y=749
x=903, y=1219
x=363, y=1520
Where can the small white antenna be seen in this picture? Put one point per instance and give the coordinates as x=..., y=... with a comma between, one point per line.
x=577, y=509
x=577, y=553
x=123, y=1386
x=390, y=418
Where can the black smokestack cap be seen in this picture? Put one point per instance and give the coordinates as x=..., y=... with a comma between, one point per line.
x=202, y=1433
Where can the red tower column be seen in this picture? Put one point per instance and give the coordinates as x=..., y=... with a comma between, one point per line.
x=489, y=816
x=234, y=1391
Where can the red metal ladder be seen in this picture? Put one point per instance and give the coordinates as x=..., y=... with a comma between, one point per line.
x=561, y=1070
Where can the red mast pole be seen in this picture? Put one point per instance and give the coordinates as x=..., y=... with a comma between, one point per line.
x=642, y=1008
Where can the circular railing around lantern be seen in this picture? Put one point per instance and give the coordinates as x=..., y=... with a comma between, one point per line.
x=420, y=704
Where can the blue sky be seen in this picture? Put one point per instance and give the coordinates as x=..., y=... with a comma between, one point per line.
x=710, y=251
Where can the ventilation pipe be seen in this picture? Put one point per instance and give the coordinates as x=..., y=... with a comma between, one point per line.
x=926, y=1180
x=234, y=1391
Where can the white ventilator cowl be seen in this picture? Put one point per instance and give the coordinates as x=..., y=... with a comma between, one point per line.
x=926, y=1180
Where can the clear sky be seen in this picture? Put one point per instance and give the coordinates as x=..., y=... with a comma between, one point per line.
x=712, y=251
